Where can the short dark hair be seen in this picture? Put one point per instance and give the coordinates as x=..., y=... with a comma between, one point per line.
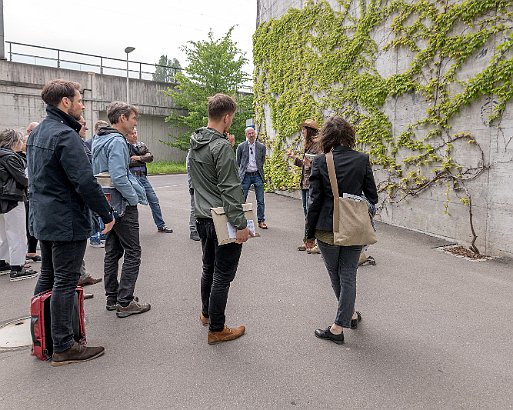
x=54, y=91
x=118, y=108
x=337, y=131
x=220, y=105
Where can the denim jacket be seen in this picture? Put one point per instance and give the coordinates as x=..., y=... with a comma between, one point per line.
x=111, y=154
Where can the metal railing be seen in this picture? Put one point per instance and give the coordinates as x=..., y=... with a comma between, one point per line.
x=73, y=60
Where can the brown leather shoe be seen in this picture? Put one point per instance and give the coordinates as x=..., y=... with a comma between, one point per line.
x=89, y=281
x=225, y=335
x=262, y=225
x=203, y=319
x=76, y=354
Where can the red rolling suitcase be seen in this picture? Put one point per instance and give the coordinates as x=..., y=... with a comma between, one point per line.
x=41, y=323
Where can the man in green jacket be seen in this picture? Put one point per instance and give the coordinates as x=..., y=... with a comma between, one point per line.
x=216, y=183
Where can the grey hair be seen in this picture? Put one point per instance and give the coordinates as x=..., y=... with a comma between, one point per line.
x=118, y=108
x=100, y=124
x=9, y=138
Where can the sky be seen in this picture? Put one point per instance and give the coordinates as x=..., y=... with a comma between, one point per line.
x=106, y=27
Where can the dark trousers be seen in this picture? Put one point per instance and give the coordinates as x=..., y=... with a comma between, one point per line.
x=31, y=241
x=122, y=240
x=342, y=264
x=219, y=268
x=60, y=271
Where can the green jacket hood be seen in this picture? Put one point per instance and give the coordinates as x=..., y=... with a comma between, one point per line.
x=203, y=136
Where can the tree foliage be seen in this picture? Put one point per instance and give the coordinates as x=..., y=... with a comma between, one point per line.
x=166, y=69
x=214, y=66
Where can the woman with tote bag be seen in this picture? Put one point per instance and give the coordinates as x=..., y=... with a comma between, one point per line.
x=353, y=178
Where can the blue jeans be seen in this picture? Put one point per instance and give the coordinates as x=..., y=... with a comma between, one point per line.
x=60, y=272
x=153, y=200
x=342, y=264
x=122, y=241
x=254, y=178
x=219, y=267
x=305, y=199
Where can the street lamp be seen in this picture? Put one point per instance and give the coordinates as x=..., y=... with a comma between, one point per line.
x=127, y=51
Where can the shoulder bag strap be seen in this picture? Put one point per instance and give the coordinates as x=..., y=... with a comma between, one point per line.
x=334, y=188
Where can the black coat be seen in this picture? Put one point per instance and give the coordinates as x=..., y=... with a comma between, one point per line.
x=13, y=182
x=62, y=188
x=354, y=176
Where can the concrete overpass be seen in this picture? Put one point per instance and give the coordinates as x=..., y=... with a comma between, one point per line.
x=20, y=101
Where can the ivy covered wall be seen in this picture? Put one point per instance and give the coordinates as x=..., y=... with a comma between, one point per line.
x=429, y=87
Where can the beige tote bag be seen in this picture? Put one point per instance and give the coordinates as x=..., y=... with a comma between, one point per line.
x=351, y=220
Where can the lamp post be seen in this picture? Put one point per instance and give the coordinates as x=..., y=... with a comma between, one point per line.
x=127, y=51
x=2, y=49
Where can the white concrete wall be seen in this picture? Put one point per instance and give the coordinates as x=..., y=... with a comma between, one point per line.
x=492, y=192
x=20, y=101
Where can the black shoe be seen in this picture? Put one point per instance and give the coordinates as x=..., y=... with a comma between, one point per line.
x=24, y=273
x=76, y=354
x=4, y=267
x=165, y=229
x=327, y=335
x=194, y=236
x=111, y=304
x=354, y=322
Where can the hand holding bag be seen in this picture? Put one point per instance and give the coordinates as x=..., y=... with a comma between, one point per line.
x=351, y=220
x=226, y=232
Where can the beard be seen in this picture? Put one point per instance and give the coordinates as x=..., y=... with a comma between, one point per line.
x=75, y=112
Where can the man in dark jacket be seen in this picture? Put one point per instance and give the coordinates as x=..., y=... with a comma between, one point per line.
x=62, y=191
x=216, y=183
x=251, y=159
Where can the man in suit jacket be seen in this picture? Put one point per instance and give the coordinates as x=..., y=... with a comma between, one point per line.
x=251, y=158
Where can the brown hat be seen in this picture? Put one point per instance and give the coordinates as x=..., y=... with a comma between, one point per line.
x=310, y=124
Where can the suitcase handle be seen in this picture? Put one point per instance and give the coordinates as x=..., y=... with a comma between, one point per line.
x=33, y=321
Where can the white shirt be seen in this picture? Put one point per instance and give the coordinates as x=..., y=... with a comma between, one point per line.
x=252, y=165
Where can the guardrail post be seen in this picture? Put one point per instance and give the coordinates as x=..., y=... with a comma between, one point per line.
x=140, y=71
x=58, y=59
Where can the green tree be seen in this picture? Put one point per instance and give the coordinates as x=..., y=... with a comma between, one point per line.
x=214, y=66
x=166, y=69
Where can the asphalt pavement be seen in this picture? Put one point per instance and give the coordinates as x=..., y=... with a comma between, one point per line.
x=436, y=329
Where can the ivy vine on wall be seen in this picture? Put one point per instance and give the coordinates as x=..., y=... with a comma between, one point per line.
x=314, y=62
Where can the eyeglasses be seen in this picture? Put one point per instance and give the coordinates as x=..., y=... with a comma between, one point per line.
x=251, y=150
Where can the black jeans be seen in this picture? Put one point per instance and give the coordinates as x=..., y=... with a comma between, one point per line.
x=31, y=241
x=342, y=265
x=219, y=268
x=60, y=271
x=122, y=240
